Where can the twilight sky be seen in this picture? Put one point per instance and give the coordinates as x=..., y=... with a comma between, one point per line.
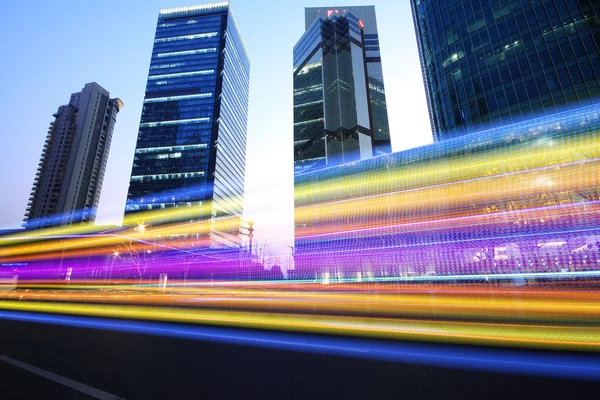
x=53, y=48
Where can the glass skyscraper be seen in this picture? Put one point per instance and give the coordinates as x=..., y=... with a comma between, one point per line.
x=490, y=63
x=376, y=89
x=71, y=170
x=191, y=146
x=332, y=113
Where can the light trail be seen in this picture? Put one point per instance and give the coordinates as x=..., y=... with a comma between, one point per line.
x=527, y=317
x=571, y=366
x=489, y=334
x=415, y=245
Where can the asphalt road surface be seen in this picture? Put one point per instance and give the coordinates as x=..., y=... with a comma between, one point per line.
x=57, y=360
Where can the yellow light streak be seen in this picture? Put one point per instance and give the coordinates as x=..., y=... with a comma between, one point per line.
x=538, y=336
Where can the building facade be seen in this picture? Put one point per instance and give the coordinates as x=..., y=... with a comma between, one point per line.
x=492, y=63
x=67, y=186
x=507, y=204
x=332, y=111
x=376, y=88
x=191, y=146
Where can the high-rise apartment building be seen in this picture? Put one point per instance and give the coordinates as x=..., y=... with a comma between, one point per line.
x=333, y=119
x=71, y=169
x=376, y=89
x=491, y=63
x=191, y=146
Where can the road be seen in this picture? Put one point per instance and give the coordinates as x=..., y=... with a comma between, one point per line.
x=139, y=360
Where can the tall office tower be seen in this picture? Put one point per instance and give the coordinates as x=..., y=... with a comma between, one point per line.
x=191, y=146
x=381, y=128
x=490, y=63
x=332, y=115
x=70, y=173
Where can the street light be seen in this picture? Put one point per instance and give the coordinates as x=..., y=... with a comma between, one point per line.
x=250, y=229
x=115, y=254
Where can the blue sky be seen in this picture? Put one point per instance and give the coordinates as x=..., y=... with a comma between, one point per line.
x=51, y=49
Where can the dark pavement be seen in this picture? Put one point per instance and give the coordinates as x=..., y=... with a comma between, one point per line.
x=143, y=366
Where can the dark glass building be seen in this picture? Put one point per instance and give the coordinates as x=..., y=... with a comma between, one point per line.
x=332, y=113
x=71, y=170
x=191, y=146
x=490, y=63
x=376, y=89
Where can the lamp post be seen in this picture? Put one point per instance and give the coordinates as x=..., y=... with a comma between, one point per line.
x=115, y=254
x=138, y=257
x=248, y=226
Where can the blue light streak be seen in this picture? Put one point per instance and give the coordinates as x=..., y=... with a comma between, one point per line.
x=547, y=364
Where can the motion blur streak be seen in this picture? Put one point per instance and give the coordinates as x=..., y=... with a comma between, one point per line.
x=423, y=301
x=573, y=366
x=522, y=334
x=490, y=239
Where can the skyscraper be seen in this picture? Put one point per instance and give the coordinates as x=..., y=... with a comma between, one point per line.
x=71, y=169
x=491, y=63
x=191, y=146
x=332, y=112
x=376, y=89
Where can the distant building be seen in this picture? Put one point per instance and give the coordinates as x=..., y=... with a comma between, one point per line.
x=333, y=97
x=191, y=146
x=69, y=179
x=491, y=63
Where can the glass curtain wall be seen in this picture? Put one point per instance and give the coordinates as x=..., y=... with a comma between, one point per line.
x=491, y=63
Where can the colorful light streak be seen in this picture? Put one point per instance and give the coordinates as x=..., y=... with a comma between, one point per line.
x=535, y=318
x=569, y=366
x=455, y=208
x=491, y=240
x=532, y=157
x=490, y=334
x=77, y=243
x=400, y=300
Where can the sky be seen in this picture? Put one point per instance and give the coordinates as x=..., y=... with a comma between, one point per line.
x=52, y=49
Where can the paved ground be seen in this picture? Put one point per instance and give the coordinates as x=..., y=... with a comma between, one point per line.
x=140, y=366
